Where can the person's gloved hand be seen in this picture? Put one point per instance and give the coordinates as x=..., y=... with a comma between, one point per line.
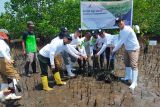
x=81, y=58
x=96, y=55
x=6, y=92
x=85, y=57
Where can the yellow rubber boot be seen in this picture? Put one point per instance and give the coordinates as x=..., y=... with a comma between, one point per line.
x=58, y=79
x=45, y=84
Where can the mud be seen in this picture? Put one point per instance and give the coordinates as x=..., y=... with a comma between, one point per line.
x=88, y=92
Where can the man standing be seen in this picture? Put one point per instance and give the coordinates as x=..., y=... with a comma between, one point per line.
x=84, y=48
x=29, y=48
x=94, y=48
x=104, y=41
x=130, y=41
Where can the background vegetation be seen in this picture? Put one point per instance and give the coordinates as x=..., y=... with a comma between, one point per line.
x=50, y=15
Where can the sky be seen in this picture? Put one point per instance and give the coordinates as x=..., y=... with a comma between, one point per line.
x=2, y=5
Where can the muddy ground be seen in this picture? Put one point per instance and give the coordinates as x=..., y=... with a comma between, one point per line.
x=88, y=92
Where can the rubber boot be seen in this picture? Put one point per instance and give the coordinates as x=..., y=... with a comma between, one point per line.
x=58, y=79
x=45, y=84
x=12, y=86
x=134, y=81
x=72, y=63
x=128, y=74
x=12, y=96
x=17, y=85
x=69, y=71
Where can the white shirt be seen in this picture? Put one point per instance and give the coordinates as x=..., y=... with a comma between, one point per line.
x=128, y=38
x=72, y=45
x=106, y=41
x=55, y=39
x=114, y=40
x=75, y=41
x=54, y=48
x=86, y=46
x=4, y=50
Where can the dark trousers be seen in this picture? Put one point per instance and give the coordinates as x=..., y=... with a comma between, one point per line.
x=95, y=59
x=44, y=64
x=81, y=64
x=107, y=53
x=33, y=64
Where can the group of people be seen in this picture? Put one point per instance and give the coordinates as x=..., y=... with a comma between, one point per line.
x=71, y=48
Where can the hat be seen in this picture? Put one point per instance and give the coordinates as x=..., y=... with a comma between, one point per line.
x=94, y=32
x=4, y=31
x=64, y=29
x=118, y=19
x=30, y=23
x=79, y=30
x=68, y=36
x=100, y=31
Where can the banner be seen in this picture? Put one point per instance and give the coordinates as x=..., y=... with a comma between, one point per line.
x=102, y=15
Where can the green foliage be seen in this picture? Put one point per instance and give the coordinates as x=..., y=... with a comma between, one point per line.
x=146, y=15
x=50, y=15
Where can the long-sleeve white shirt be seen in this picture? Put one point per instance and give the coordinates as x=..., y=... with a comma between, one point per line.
x=72, y=46
x=114, y=40
x=75, y=41
x=54, y=48
x=128, y=38
x=4, y=50
x=106, y=41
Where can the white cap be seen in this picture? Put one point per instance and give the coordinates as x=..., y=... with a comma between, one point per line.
x=4, y=31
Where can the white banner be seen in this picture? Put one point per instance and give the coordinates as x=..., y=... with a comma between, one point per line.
x=153, y=42
x=102, y=15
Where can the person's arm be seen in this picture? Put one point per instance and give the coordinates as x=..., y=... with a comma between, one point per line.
x=23, y=47
x=23, y=44
x=120, y=42
x=71, y=53
x=73, y=49
x=51, y=57
x=74, y=46
x=81, y=49
x=102, y=49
